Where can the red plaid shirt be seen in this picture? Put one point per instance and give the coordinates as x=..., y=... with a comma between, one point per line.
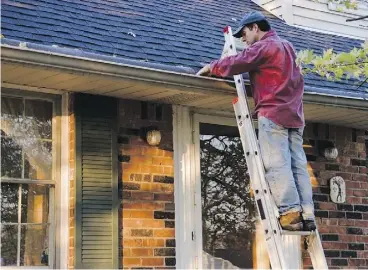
x=276, y=81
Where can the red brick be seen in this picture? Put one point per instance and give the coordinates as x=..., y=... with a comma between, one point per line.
x=343, y=160
x=141, y=214
x=157, y=169
x=153, y=205
x=146, y=187
x=164, y=197
x=146, y=169
x=169, y=171
x=360, y=193
x=152, y=261
x=153, y=223
x=348, y=238
x=151, y=151
x=140, y=160
x=132, y=242
x=360, y=177
x=334, y=245
x=153, y=243
x=346, y=222
x=164, y=233
x=126, y=252
x=345, y=175
x=365, y=187
x=158, y=187
x=351, y=184
x=137, y=214
x=131, y=261
x=132, y=223
x=362, y=238
x=327, y=206
x=354, y=200
x=362, y=254
x=132, y=205
x=357, y=262
x=137, y=195
x=361, y=223
x=169, y=154
x=126, y=232
x=142, y=252
x=316, y=165
x=130, y=168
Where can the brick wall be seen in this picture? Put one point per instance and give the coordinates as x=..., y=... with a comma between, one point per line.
x=71, y=181
x=343, y=227
x=146, y=187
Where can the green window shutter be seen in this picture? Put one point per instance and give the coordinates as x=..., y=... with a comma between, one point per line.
x=97, y=199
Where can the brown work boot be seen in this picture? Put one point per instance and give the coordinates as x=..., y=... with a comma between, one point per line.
x=291, y=221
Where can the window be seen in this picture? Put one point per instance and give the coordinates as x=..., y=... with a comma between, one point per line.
x=28, y=181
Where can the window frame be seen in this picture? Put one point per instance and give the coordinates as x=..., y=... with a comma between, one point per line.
x=54, y=183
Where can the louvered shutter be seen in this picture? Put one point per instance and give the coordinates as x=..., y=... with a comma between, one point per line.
x=96, y=212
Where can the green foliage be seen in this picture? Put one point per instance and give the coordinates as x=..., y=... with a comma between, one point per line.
x=336, y=66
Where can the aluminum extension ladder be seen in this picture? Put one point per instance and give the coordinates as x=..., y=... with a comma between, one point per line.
x=266, y=206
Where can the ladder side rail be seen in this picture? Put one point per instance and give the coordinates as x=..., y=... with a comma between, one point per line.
x=270, y=229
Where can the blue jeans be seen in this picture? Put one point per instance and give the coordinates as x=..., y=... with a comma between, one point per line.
x=286, y=167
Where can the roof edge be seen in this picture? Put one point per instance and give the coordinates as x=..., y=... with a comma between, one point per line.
x=183, y=77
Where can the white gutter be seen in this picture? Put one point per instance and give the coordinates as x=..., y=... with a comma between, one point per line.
x=182, y=81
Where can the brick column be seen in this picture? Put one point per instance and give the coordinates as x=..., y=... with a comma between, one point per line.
x=147, y=187
x=343, y=227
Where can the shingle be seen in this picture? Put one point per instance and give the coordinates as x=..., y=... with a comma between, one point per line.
x=177, y=32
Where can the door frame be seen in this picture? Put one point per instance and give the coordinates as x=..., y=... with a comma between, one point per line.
x=197, y=120
x=187, y=189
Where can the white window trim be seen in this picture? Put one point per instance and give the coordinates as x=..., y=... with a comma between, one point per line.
x=62, y=250
x=188, y=233
x=61, y=217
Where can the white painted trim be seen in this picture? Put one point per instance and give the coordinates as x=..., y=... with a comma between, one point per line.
x=32, y=88
x=183, y=188
x=328, y=32
x=197, y=119
x=288, y=11
x=62, y=257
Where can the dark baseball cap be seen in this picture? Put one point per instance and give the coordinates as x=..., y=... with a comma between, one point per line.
x=252, y=17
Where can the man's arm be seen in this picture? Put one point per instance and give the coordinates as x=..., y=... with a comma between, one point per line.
x=242, y=62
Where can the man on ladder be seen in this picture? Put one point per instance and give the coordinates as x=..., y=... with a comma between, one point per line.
x=277, y=86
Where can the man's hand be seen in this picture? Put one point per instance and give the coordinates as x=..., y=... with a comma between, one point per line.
x=205, y=71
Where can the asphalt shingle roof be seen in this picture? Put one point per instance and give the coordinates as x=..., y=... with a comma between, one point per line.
x=176, y=32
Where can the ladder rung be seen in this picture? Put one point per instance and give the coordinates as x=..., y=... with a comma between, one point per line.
x=284, y=232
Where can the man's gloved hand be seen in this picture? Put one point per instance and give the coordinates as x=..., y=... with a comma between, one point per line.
x=205, y=71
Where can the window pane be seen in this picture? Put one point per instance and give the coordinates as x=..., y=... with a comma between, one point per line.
x=11, y=158
x=9, y=202
x=11, y=110
x=35, y=204
x=34, y=247
x=39, y=115
x=26, y=138
x=9, y=242
x=38, y=161
x=228, y=210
